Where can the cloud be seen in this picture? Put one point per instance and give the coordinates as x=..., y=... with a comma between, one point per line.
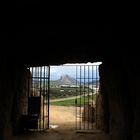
x=89, y=70
x=57, y=71
x=74, y=70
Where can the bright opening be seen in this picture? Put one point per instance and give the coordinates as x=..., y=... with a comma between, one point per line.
x=73, y=92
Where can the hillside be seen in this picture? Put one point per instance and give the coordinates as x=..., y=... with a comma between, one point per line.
x=68, y=80
x=64, y=80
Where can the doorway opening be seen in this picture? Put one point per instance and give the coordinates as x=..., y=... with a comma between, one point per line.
x=63, y=96
x=73, y=93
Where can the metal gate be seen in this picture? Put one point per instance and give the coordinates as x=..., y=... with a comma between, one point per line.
x=87, y=78
x=86, y=87
x=38, y=98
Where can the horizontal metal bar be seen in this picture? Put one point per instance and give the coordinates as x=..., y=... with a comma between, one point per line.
x=40, y=77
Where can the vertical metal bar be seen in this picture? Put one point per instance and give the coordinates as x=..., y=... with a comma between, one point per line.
x=84, y=99
x=40, y=81
x=88, y=98
x=38, y=73
x=76, y=99
x=48, y=94
x=92, y=96
x=32, y=86
x=39, y=78
x=46, y=99
x=96, y=96
x=35, y=75
x=44, y=95
x=80, y=98
x=28, y=91
x=40, y=89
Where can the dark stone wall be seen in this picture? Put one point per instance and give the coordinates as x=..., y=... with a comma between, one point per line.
x=133, y=71
x=120, y=100
x=13, y=87
x=102, y=111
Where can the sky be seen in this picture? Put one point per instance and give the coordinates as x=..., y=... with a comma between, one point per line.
x=83, y=70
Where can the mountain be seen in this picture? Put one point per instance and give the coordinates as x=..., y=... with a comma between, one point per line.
x=65, y=80
x=68, y=80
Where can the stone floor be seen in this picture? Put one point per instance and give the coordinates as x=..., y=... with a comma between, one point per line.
x=62, y=120
x=63, y=134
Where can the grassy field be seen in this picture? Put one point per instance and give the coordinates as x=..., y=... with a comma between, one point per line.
x=72, y=102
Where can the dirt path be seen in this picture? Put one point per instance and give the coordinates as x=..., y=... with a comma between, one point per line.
x=61, y=115
x=64, y=118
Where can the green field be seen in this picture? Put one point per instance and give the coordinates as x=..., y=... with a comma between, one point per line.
x=72, y=102
x=56, y=93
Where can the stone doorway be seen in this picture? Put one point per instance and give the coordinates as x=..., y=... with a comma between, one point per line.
x=77, y=86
